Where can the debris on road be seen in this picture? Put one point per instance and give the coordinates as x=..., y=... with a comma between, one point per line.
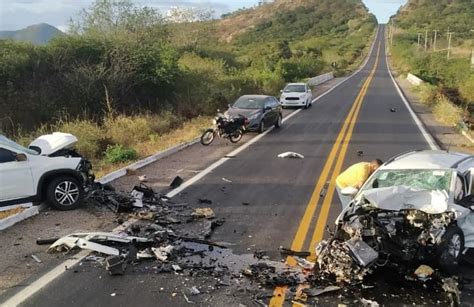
x=177, y=181
x=205, y=201
x=226, y=180
x=290, y=154
x=143, y=178
x=206, y=213
x=36, y=258
x=369, y=303
x=393, y=110
x=312, y=292
x=115, y=265
x=360, y=153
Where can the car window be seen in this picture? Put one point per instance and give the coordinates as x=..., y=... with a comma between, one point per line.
x=415, y=179
x=249, y=103
x=6, y=155
x=295, y=88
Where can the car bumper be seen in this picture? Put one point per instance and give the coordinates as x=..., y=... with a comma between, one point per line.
x=295, y=103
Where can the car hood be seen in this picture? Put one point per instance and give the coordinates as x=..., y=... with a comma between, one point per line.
x=50, y=143
x=234, y=112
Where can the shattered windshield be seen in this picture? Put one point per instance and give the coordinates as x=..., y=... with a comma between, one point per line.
x=15, y=146
x=416, y=179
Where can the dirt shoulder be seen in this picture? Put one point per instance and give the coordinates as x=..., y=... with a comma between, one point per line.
x=447, y=137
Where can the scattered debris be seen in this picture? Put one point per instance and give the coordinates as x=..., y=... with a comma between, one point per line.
x=195, y=291
x=369, y=303
x=393, y=110
x=245, y=204
x=176, y=268
x=318, y=291
x=226, y=180
x=36, y=258
x=360, y=153
x=206, y=213
x=205, y=201
x=143, y=178
x=138, y=198
x=115, y=265
x=162, y=253
x=113, y=294
x=424, y=272
x=289, y=252
x=177, y=181
x=290, y=154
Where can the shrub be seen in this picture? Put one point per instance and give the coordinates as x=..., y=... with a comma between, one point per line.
x=128, y=130
x=446, y=112
x=118, y=153
x=92, y=140
x=427, y=93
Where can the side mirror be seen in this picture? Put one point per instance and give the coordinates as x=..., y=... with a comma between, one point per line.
x=21, y=157
x=267, y=108
x=309, y=90
x=218, y=110
x=349, y=191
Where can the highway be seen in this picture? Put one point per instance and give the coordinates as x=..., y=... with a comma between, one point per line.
x=290, y=201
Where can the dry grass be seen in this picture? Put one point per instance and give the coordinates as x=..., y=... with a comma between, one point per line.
x=187, y=132
x=446, y=112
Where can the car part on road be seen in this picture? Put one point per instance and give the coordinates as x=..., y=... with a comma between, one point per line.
x=290, y=154
x=177, y=181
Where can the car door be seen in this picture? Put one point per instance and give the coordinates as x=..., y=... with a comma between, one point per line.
x=267, y=113
x=272, y=112
x=16, y=180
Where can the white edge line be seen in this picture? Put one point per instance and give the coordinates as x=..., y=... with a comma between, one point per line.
x=44, y=280
x=428, y=137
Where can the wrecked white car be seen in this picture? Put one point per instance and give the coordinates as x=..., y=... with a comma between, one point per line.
x=50, y=169
x=415, y=209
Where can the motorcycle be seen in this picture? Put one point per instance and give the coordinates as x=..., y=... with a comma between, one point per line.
x=225, y=127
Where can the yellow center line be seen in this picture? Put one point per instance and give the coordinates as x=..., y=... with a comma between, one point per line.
x=300, y=237
x=323, y=215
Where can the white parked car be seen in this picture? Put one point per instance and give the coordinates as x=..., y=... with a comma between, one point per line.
x=49, y=170
x=296, y=95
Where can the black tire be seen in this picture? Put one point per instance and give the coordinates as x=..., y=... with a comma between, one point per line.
x=451, y=247
x=64, y=193
x=261, y=127
x=306, y=105
x=278, y=122
x=237, y=136
x=207, y=137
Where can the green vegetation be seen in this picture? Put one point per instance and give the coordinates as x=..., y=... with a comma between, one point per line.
x=128, y=78
x=39, y=34
x=450, y=80
x=118, y=154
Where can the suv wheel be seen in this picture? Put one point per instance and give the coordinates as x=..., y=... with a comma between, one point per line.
x=451, y=247
x=64, y=193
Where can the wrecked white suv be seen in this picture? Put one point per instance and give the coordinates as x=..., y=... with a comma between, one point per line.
x=49, y=170
x=416, y=208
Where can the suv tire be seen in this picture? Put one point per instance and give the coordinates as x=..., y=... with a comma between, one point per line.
x=451, y=248
x=64, y=193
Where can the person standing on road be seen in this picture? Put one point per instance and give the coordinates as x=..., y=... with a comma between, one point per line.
x=355, y=177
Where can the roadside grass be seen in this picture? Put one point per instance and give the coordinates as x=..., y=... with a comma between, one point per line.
x=447, y=112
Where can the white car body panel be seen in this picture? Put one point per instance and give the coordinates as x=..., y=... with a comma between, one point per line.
x=50, y=143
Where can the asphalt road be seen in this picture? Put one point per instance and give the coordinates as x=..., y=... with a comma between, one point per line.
x=278, y=191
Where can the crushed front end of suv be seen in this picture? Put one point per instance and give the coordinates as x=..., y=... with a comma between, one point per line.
x=48, y=170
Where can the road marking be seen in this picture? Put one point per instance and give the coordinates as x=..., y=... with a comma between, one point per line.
x=301, y=234
x=323, y=215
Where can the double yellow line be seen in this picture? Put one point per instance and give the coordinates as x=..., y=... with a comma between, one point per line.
x=342, y=141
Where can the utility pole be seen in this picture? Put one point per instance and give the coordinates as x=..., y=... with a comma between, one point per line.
x=419, y=39
x=450, y=35
x=426, y=39
x=435, y=37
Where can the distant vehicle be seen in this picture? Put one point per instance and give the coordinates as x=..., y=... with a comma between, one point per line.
x=262, y=111
x=48, y=170
x=296, y=95
x=225, y=127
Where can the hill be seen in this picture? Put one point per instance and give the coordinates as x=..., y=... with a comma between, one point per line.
x=39, y=34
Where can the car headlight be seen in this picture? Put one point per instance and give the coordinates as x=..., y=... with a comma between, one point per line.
x=302, y=96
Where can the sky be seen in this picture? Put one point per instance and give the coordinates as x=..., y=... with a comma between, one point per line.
x=17, y=14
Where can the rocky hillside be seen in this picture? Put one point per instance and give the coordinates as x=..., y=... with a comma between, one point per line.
x=39, y=34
